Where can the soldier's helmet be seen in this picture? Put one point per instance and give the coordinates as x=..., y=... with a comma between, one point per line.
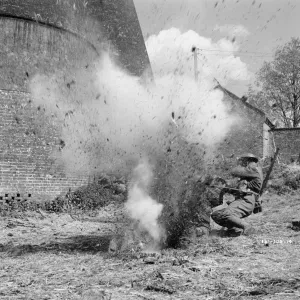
x=249, y=156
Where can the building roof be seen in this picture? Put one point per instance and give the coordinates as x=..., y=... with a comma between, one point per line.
x=235, y=97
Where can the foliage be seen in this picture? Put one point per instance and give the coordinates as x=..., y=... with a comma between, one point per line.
x=286, y=179
x=70, y=256
x=278, y=86
x=90, y=197
x=193, y=213
x=93, y=196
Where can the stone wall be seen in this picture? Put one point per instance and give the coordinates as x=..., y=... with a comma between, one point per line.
x=288, y=141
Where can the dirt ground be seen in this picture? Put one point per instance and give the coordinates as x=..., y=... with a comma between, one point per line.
x=62, y=256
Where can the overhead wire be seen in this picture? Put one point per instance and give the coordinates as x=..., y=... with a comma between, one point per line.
x=239, y=53
x=223, y=55
x=246, y=52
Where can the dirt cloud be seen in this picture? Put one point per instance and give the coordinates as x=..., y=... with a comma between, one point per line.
x=157, y=133
x=109, y=119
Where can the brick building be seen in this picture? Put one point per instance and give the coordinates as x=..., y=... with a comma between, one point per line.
x=256, y=134
x=48, y=36
x=251, y=134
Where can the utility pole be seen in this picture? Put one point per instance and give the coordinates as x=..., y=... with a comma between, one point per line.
x=194, y=50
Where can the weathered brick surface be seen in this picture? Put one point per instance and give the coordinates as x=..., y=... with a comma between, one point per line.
x=95, y=20
x=47, y=37
x=27, y=141
x=28, y=138
x=28, y=48
x=288, y=141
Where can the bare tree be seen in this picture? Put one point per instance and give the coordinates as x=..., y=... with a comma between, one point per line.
x=278, y=86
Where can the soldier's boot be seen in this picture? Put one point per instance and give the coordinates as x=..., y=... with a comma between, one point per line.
x=220, y=217
x=246, y=229
x=233, y=221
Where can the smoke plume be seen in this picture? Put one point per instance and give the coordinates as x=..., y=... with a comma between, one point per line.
x=109, y=120
x=140, y=206
x=170, y=53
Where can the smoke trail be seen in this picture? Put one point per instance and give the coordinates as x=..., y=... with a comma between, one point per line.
x=140, y=206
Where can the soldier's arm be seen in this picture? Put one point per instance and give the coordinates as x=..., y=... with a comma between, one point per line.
x=232, y=183
x=245, y=172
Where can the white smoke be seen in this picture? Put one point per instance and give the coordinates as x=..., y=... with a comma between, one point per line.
x=140, y=206
x=109, y=120
x=233, y=30
x=170, y=53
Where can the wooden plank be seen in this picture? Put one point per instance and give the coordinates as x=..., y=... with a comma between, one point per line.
x=265, y=182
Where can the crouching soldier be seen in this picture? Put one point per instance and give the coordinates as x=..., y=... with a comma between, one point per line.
x=246, y=193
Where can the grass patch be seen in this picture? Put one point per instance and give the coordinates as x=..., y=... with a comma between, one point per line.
x=54, y=256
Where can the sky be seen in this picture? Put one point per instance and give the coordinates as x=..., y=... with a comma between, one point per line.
x=238, y=35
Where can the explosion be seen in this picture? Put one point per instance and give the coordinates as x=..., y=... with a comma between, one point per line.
x=109, y=121
x=141, y=207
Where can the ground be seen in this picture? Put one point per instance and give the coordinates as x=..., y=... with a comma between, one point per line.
x=63, y=256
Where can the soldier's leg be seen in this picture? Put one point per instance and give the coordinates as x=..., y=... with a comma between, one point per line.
x=234, y=221
x=226, y=218
x=240, y=210
x=231, y=216
x=221, y=217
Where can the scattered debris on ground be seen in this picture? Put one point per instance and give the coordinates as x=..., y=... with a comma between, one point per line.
x=56, y=256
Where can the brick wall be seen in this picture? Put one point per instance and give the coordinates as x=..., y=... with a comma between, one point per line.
x=28, y=48
x=95, y=21
x=27, y=137
x=27, y=140
x=48, y=37
x=288, y=141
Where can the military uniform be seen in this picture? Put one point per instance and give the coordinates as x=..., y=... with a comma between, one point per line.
x=246, y=193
